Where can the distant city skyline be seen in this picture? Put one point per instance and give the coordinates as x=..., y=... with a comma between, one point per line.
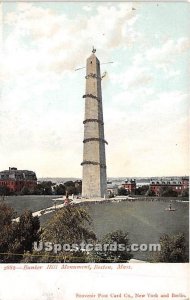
x=145, y=90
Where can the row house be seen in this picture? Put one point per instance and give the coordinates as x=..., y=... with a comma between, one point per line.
x=176, y=185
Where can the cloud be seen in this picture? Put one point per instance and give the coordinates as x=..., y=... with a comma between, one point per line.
x=56, y=42
x=152, y=140
x=166, y=54
x=87, y=8
x=134, y=76
x=146, y=66
x=41, y=106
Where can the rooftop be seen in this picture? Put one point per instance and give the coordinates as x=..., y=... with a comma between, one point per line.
x=15, y=174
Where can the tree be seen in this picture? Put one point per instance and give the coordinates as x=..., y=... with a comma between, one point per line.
x=185, y=193
x=150, y=192
x=7, y=230
x=173, y=249
x=44, y=188
x=142, y=190
x=168, y=192
x=69, y=183
x=115, y=238
x=16, y=237
x=70, y=187
x=70, y=225
x=28, y=230
x=78, y=186
x=71, y=190
x=122, y=192
x=4, y=191
x=25, y=191
x=59, y=189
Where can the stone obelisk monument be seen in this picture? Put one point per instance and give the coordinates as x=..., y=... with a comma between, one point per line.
x=94, y=179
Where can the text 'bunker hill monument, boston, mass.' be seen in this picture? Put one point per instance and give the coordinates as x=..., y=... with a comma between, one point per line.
x=94, y=179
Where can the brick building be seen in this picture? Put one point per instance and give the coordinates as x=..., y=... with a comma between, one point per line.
x=175, y=185
x=185, y=183
x=130, y=186
x=16, y=180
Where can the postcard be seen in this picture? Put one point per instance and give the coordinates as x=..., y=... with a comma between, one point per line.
x=94, y=132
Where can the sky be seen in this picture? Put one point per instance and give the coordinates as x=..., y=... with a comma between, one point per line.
x=145, y=91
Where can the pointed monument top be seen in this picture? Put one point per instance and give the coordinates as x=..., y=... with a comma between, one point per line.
x=93, y=50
